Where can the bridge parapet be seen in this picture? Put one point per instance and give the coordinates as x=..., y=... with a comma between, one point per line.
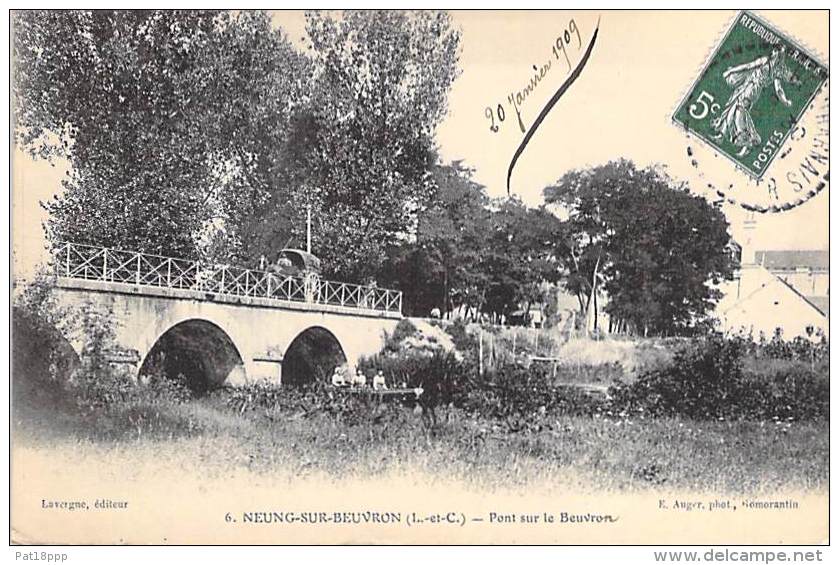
x=213, y=281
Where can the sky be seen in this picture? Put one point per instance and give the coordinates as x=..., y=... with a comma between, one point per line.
x=620, y=106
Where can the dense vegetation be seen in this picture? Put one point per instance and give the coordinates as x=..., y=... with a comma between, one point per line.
x=709, y=379
x=210, y=134
x=516, y=422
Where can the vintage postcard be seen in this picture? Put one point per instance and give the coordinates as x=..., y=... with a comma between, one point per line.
x=420, y=277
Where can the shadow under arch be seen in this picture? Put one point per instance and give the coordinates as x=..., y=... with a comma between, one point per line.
x=312, y=356
x=196, y=351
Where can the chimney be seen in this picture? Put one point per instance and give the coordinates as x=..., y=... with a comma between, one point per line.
x=748, y=252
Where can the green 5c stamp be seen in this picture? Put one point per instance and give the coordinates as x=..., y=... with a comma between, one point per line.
x=751, y=95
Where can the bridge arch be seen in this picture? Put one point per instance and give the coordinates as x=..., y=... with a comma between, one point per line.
x=199, y=351
x=312, y=355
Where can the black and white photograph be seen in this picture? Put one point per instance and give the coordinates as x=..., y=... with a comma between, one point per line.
x=420, y=277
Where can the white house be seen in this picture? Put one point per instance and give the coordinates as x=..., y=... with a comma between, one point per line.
x=758, y=300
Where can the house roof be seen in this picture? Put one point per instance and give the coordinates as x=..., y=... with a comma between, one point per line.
x=806, y=299
x=767, y=279
x=789, y=260
x=820, y=302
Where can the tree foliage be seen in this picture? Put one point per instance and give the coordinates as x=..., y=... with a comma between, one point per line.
x=657, y=250
x=438, y=268
x=521, y=255
x=167, y=118
x=471, y=251
x=208, y=133
x=381, y=81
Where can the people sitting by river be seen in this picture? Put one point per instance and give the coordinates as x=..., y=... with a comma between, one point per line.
x=338, y=378
x=359, y=379
x=379, y=381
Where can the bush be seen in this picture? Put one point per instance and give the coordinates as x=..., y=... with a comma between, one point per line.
x=799, y=349
x=42, y=358
x=40, y=363
x=525, y=398
x=518, y=397
x=253, y=396
x=441, y=375
x=703, y=382
x=462, y=339
x=605, y=373
x=404, y=330
x=793, y=392
x=109, y=389
x=706, y=380
x=306, y=401
x=48, y=375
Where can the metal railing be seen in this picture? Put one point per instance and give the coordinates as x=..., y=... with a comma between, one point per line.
x=87, y=262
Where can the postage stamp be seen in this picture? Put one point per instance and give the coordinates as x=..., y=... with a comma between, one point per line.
x=751, y=94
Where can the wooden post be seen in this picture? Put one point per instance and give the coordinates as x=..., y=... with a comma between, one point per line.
x=480, y=351
x=309, y=228
x=492, y=350
x=514, y=343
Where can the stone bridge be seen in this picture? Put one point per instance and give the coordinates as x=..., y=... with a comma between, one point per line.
x=220, y=324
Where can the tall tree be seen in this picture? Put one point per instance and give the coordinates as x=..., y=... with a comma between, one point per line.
x=439, y=267
x=471, y=251
x=262, y=82
x=521, y=255
x=366, y=141
x=166, y=118
x=657, y=250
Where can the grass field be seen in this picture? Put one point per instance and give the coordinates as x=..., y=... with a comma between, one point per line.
x=583, y=453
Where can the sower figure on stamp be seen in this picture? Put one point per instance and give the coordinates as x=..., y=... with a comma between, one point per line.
x=749, y=80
